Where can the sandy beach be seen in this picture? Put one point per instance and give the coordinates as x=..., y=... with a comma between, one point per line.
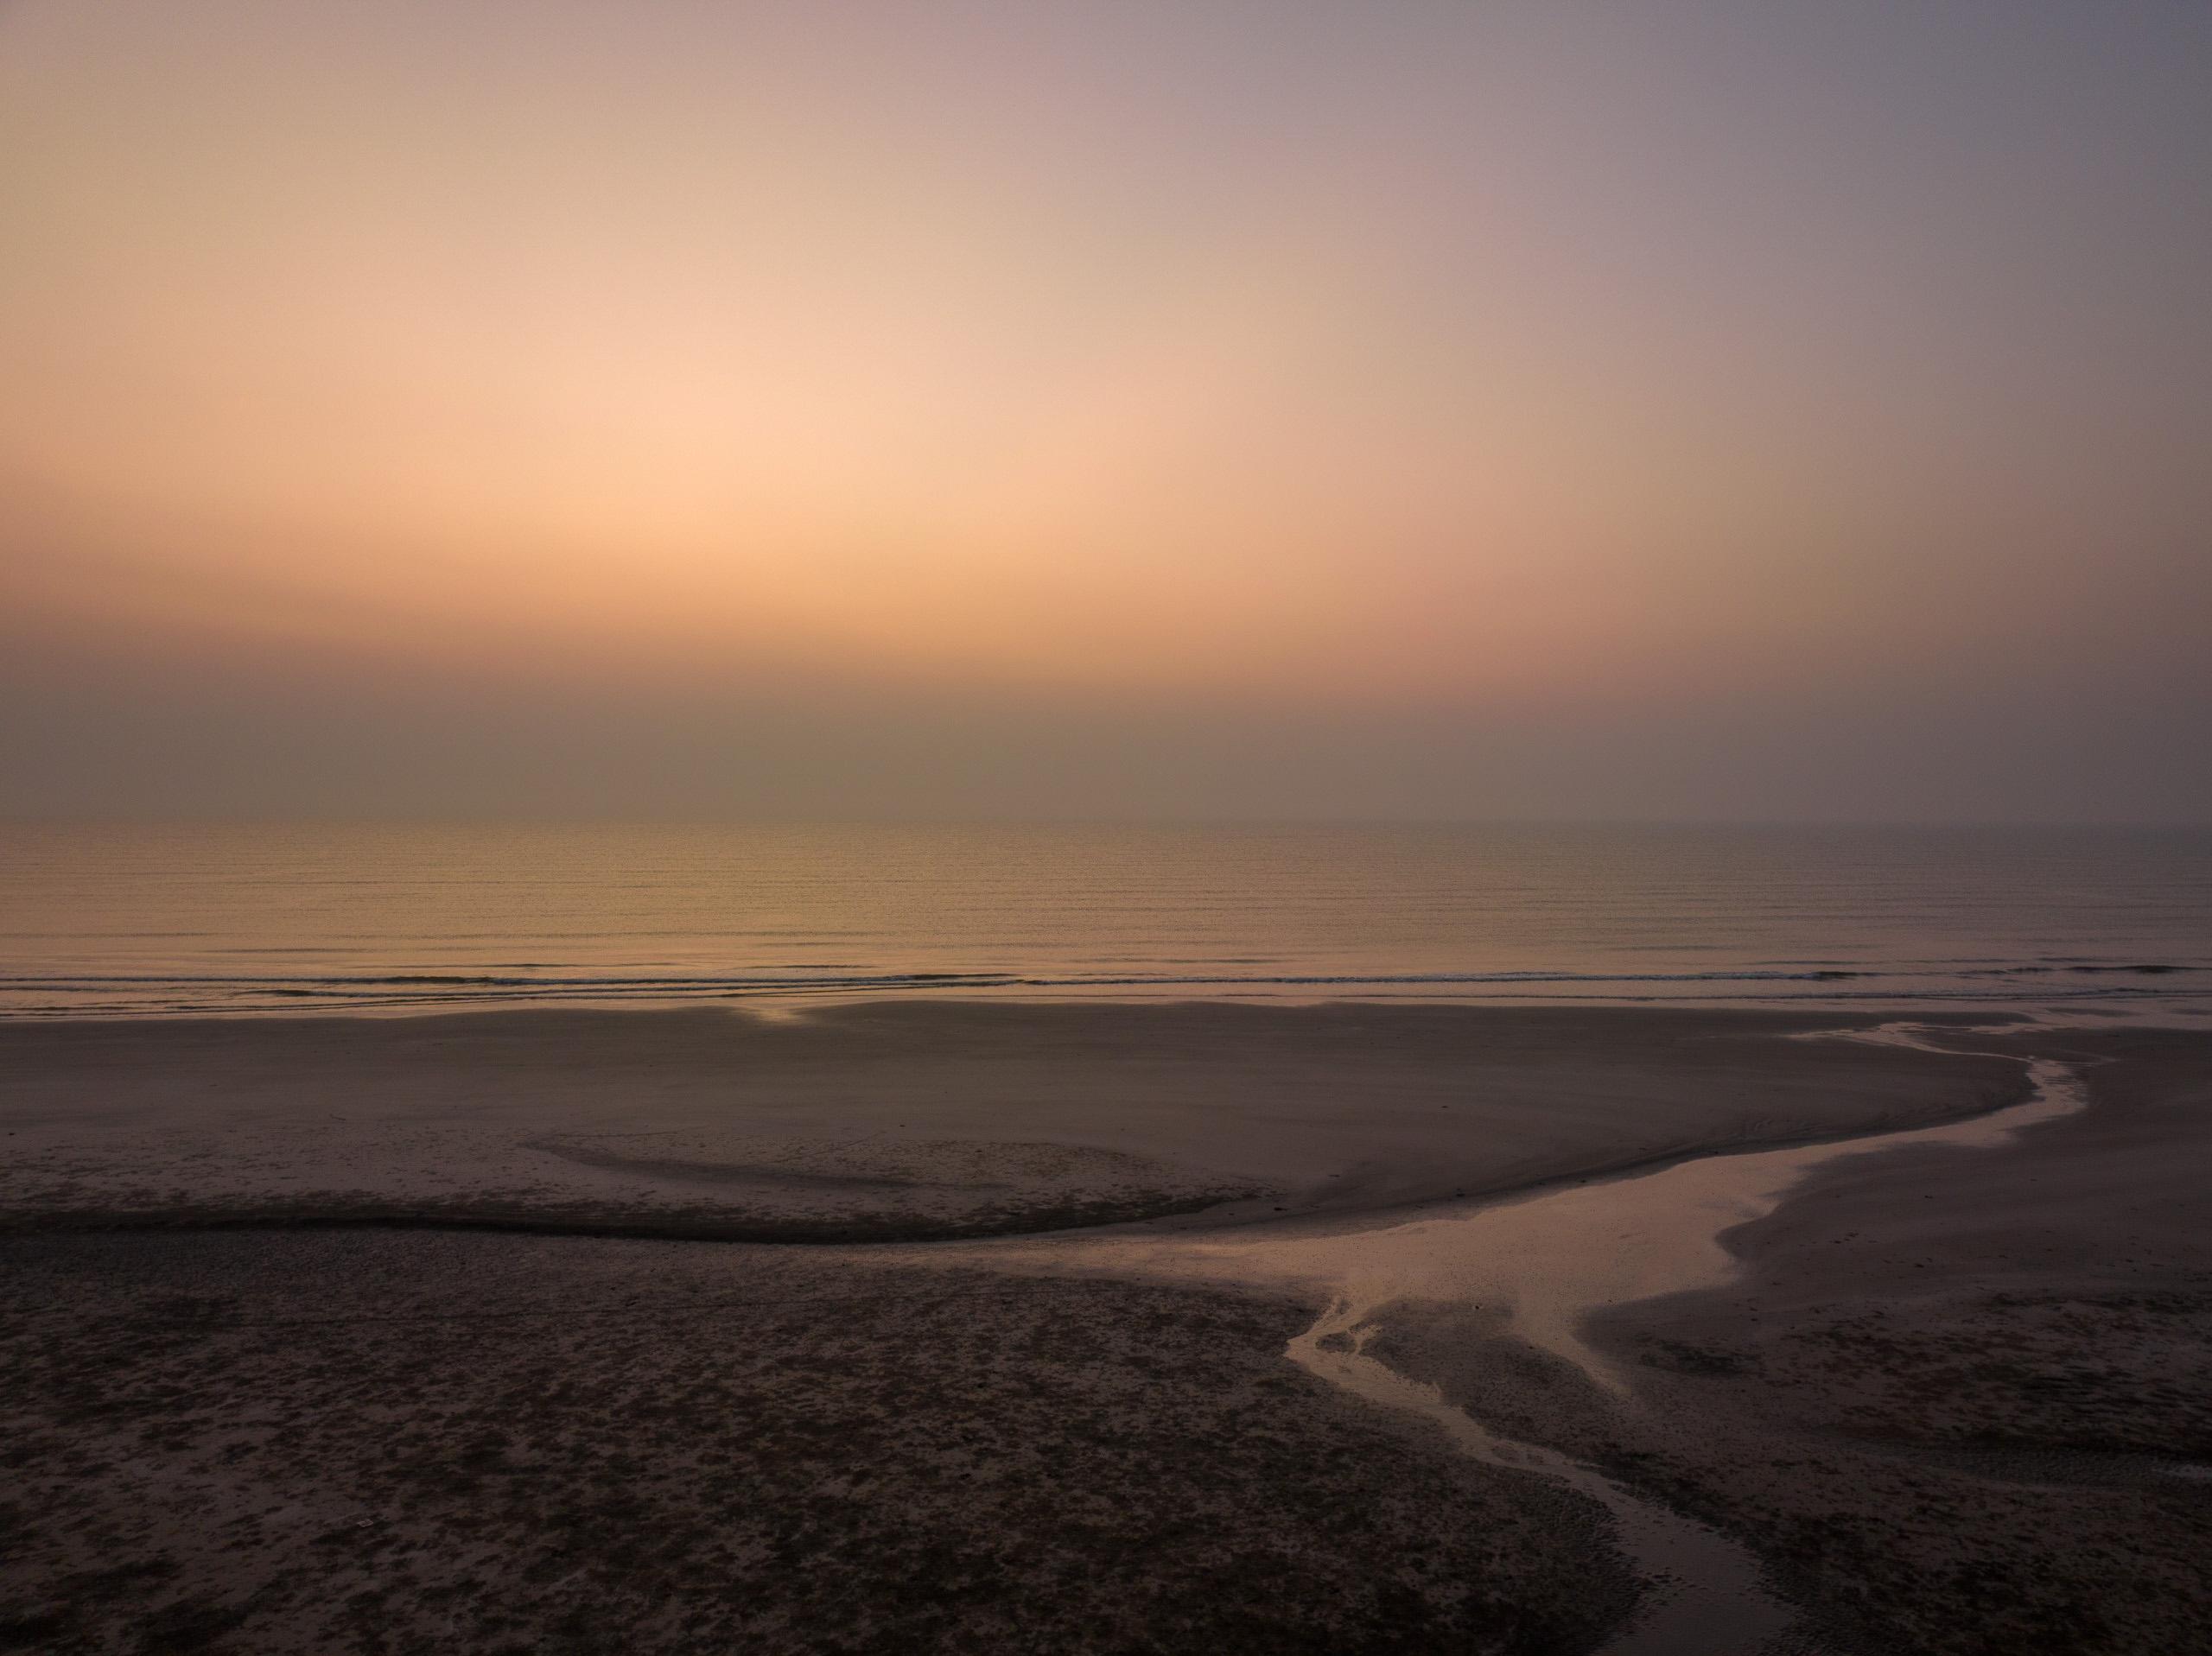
x=897, y=1121
x=289, y=1369
x=1175, y=829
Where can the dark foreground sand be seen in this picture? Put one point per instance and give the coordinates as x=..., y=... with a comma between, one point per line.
x=409, y=1443
x=1956, y=1404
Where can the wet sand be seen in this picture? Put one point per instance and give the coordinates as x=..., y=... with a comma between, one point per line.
x=1543, y=1266
x=911, y=1120
x=1957, y=1398
x=1933, y=1398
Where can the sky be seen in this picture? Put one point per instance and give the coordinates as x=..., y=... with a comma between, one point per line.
x=1695, y=409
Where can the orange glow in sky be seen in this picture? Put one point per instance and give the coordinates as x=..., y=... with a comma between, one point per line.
x=1369, y=362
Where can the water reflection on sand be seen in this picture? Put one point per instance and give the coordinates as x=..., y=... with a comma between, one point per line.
x=1547, y=1260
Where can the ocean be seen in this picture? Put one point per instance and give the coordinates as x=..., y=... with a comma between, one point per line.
x=136, y=920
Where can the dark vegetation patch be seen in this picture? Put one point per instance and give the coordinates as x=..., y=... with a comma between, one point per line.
x=1917, y=1478
x=1975, y=1476
x=386, y=1443
x=2109, y=1372
x=1685, y=1359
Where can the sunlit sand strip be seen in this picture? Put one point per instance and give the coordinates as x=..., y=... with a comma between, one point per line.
x=1550, y=1259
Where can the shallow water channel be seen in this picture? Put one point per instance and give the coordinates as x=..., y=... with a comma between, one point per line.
x=1548, y=1258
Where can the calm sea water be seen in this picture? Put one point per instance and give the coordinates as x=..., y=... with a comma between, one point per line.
x=144, y=920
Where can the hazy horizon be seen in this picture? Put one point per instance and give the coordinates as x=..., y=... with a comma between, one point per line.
x=1704, y=412
x=548, y=820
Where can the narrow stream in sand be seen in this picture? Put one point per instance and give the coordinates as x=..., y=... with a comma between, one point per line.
x=1703, y=1593
x=1549, y=1260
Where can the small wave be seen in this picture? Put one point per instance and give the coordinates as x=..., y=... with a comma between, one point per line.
x=410, y=989
x=2134, y=968
x=823, y=978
